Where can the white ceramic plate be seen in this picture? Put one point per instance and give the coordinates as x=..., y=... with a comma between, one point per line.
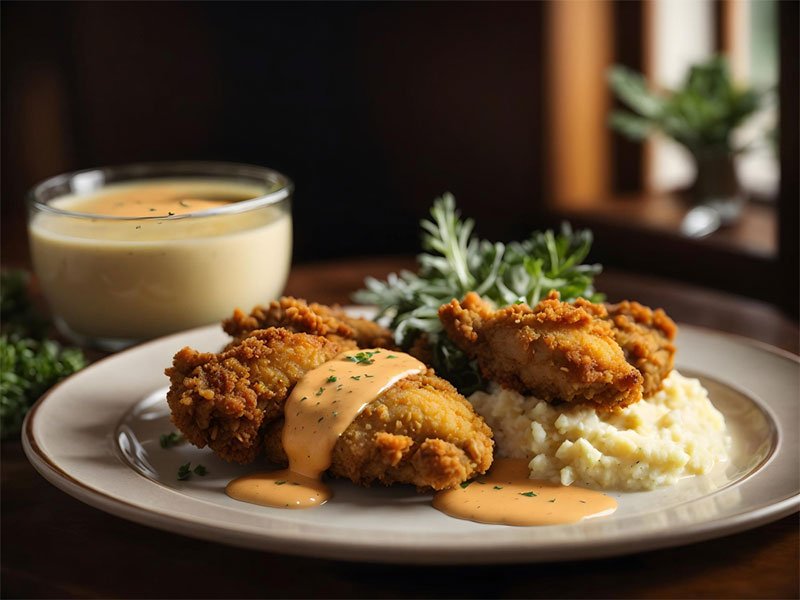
x=96, y=436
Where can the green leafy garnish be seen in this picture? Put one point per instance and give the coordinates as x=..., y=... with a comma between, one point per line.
x=28, y=368
x=281, y=482
x=498, y=487
x=168, y=440
x=185, y=471
x=319, y=392
x=363, y=358
x=456, y=262
x=331, y=379
x=528, y=494
x=29, y=364
x=465, y=484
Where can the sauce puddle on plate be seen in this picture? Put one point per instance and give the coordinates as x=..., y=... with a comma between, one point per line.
x=505, y=496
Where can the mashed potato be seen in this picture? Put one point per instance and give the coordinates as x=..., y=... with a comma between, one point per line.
x=675, y=433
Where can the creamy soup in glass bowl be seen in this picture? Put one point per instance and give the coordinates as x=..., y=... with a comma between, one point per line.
x=125, y=254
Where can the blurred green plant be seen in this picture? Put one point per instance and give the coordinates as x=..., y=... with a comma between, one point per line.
x=701, y=115
x=29, y=364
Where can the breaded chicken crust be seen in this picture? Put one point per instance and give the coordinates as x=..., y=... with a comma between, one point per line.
x=555, y=350
x=296, y=315
x=222, y=400
x=419, y=431
x=645, y=335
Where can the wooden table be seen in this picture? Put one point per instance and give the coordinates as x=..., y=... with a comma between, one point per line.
x=55, y=546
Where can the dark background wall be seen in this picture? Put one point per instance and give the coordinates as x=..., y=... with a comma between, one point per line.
x=372, y=109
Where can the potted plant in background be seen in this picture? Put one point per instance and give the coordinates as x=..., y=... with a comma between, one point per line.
x=702, y=116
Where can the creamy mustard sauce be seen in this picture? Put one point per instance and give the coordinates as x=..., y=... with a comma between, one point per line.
x=321, y=406
x=506, y=496
x=138, y=279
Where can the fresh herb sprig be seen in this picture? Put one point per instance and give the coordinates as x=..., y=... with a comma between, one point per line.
x=456, y=262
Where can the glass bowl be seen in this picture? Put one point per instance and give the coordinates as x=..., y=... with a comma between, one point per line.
x=112, y=281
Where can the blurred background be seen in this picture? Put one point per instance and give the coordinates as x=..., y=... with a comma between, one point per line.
x=374, y=109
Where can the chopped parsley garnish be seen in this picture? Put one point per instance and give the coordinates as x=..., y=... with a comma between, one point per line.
x=466, y=484
x=320, y=391
x=185, y=471
x=363, y=358
x=281, y=482
x=331, y=379
x=498, y=487
x=356, y=377
x=367, y=375
x=168, y=440
x=304, y=398
x=553, y=500
x=528, y=494
x=391, y=356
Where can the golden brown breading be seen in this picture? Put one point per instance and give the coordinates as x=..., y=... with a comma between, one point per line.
x=555, y=350
x=645, y=336
x=295, y=314
x=419, y=431
x=222, y=400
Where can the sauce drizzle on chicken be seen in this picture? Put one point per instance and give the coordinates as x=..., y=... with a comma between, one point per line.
x=321, y=406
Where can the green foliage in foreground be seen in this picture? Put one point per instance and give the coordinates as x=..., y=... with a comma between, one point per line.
x=29, y=365
x=456, y=262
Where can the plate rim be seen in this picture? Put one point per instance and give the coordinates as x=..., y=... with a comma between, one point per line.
x=432, y=551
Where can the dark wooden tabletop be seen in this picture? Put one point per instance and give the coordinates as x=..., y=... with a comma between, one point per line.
x=54, y=546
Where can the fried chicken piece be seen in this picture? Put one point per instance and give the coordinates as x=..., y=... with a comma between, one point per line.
x=222, y=400
x=419, y=431
x=555, y=350
x=645, y=336
x=295, y=314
